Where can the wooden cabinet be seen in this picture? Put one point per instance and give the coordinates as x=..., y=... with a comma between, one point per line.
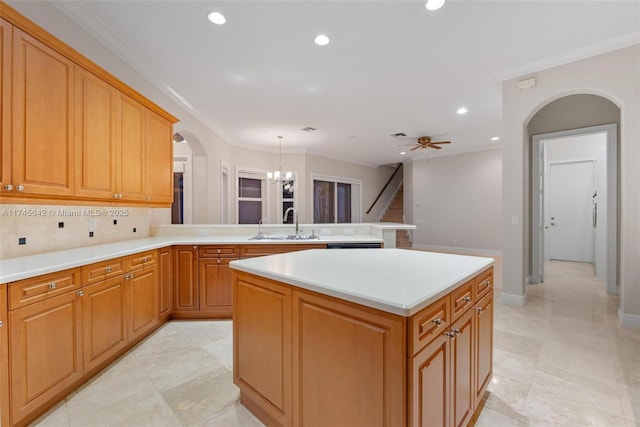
x=355, y=365
x=185, y=279
x=46, y=352
x=95, y=135
x=42, y=118
x=165, y=277
x=5, y=105
x=215, y=279
x=262, y=348
x=159, y=155
x=4, y=357
x=104, y=320
x=108, y=143
x=251, y=251
x=143, y=301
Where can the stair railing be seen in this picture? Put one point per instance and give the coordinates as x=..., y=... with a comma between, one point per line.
x=385, y=187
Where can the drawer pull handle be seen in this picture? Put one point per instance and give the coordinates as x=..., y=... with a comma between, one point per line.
x=466, y=299
x=437, y=322
x=80, y=293
x=144, y=259
x=480, y=310
x=52, y=285
x=108, y=269
x=487, y=282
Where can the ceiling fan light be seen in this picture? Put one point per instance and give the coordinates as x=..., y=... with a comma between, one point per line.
x=434, y=4
x=322, y=40
x=217, y=18
x=462, y=110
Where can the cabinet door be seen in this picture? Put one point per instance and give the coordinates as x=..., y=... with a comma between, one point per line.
x=4, y=358
x=159, y=184
x=5, y=105
x=262, y=344
x=430, y=393
x=360, y=376
x=42, y=119
x=143, y=297
x=104, y=320
x=131, y=157
x=95, y=136
x=185, y=277
x=46, y=351
x=484, y=345
x=165, y=278
x=215, y=286
x=462, y=352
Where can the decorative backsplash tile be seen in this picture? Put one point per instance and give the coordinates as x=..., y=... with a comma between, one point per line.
x=47, y=228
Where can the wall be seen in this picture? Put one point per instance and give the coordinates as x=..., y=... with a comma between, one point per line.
x=615, y=76
x=457, y=202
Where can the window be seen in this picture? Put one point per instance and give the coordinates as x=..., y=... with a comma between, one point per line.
x=336, y=200
x=251, y=198
x=287, y=200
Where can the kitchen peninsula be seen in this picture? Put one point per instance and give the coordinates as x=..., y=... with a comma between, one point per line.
x=360, y=337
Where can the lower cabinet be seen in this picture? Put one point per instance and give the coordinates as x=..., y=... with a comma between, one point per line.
x=185, y=279
x=46, y=352
x=143, y=301
x=104, y=320
x=4, y=356
x=484, y=344
x=215, y=286
x=165, y=279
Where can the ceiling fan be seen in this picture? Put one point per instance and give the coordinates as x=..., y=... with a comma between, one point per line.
x=426, y=142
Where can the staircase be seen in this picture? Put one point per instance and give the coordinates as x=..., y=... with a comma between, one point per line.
x=394, y=213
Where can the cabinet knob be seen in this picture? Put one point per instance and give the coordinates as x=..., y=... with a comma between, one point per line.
x=52, y=285
x=487, y=282
x=115, y=195
x=456, y=331
x=451, y=334
x=480, y=310
x=108, y=269
x=195, y=247
x=80, y=293
x=19, y=187
x=8, y=187
x=466, y=299
x=144, y=259
x=1, y=323
x=438, y=322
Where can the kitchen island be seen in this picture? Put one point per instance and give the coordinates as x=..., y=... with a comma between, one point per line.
x=360, y=337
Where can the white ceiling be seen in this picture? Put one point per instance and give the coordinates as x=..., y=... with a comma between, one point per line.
x=391, y=66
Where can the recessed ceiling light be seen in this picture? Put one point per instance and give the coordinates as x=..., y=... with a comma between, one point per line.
x=403, y=153
x=322, y=40
x=434, y=4
x=217, y=18
x=495, y=138
x=462, y=110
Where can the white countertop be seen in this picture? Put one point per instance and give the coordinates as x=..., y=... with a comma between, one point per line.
x=397, y=281
x=19, y=268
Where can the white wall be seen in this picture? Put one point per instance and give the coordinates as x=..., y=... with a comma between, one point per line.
x=615, y=76
x=457, y=201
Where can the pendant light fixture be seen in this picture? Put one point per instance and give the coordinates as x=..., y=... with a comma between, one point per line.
x=279, y=176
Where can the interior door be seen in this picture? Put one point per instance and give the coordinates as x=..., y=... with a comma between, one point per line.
x=569, y=223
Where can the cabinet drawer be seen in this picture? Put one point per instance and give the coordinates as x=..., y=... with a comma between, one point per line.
x=98, y=271
x=484, y=283
x=250, y=251
x=429, y=323
x=28, y=291
x=142, y=260
x=462, y=299
x=218, y=252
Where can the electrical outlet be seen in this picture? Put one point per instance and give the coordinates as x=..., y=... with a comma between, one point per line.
x=61, y=225
x=203, y=232
x=91, y=234
x=115, y=222
x=92, y=225
x=325, y=231
x=22, y=240
x=348, y=231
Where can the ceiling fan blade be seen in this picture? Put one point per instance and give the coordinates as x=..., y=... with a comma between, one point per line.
x=441, y=142
x=435, y=146
x=416, y=147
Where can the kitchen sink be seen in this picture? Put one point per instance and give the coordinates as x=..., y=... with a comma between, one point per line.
x=262, y=236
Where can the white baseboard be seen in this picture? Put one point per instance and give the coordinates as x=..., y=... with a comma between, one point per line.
x=510, y=299
x=629, y=320
x=457, y=250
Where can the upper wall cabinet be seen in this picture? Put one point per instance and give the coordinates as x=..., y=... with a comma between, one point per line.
x=72, y=132
x=42, y=144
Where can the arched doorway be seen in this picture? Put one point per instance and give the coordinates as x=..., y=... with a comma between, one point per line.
x=579, y=118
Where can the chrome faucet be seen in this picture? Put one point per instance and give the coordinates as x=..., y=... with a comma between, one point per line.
x=262, y=221
x=295, y=216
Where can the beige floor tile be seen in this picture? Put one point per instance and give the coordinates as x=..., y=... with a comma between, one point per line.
x=518, y=344
x=222, y=350
x=55, y=417
x=507, y=395
x=201, y=398
x=206, y=332
x=234, y=415
x=492, y=418
x=150, y=412
x=514, y=366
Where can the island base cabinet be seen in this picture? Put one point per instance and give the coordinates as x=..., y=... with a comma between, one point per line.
x=484, y=345
x=262, y=348
x=349, y=359
x=38, y=374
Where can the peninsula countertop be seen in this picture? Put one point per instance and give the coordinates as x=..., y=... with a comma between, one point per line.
x=397, y=281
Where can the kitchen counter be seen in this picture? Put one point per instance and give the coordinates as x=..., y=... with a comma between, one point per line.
x=396, y=281
x=19, y=268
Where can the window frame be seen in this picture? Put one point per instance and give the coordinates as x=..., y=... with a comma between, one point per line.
x=356, y=196
x=251, y=174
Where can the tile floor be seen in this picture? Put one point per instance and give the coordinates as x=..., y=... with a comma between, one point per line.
x=562, y=360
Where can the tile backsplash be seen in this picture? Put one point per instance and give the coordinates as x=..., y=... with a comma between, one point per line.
x=46, y=228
